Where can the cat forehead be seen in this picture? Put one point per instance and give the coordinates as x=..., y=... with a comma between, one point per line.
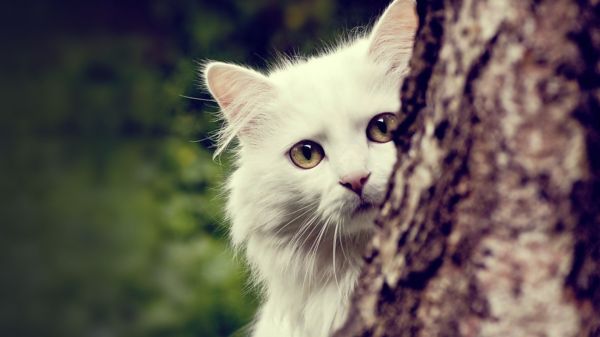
x=337, y=69
x=331, y=98
x=342, y=82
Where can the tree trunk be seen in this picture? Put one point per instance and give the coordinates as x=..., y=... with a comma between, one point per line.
x=492, y=223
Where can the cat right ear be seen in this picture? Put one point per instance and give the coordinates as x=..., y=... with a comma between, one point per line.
x=392, y=38
x=236, y=89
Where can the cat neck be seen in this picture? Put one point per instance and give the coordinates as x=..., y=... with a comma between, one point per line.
x=315, y=260
x=303, y=284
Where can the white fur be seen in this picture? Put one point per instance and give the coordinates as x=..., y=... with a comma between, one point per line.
x=299, y=228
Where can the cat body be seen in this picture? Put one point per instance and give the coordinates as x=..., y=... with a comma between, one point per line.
x=312, y=165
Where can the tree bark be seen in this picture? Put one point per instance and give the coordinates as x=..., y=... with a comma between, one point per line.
x=492, y=221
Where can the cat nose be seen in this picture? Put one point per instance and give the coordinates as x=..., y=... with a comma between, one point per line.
x=355, y=182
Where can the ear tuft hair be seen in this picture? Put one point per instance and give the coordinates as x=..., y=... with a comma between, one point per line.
x=392, y=38
x=240, y=93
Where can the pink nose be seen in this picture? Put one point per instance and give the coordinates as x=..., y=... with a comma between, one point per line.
x=355, y=182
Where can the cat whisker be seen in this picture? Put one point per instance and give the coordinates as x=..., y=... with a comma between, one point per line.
x=295, y=241
x=334, y=246
x=198, y=99
x=342, y=248
x=304, y=210
x=308, y=235
x=312, y=255
x=313, y=251
x=308, y=223
x=306, y=271
x=303, y=228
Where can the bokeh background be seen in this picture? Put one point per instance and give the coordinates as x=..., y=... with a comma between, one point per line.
x=111, y=221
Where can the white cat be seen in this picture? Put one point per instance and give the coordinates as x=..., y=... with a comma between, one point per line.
x=313, y=161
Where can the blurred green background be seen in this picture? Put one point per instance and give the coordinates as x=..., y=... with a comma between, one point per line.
x=111, y=221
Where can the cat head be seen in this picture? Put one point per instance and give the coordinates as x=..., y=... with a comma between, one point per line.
x=314, y=135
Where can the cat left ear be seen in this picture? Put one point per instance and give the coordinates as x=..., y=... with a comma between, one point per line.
x=392, y=38
x=235, y=88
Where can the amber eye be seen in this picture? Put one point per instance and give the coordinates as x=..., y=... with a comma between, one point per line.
x=306, y=154
x=381, y=127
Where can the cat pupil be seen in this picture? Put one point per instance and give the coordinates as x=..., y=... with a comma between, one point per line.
x=382, y=126
x=307, y=151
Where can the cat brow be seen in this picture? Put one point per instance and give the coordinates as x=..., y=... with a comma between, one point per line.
x=317, y=137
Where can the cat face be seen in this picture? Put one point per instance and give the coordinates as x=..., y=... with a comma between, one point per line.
x=314, y=134
x=326, y=109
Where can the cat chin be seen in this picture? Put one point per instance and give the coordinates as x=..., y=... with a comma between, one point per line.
x=363, y=207
x=361, y=220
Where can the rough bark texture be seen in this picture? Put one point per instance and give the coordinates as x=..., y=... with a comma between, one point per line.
x=492, y=222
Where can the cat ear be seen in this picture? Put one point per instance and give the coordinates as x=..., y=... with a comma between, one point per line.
x=392, y=38
x=236, y=89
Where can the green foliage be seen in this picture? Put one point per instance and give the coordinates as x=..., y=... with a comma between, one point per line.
x=112, y=214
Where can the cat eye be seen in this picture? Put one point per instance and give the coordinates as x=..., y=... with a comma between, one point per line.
x=381, y=127
x=306, y=154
